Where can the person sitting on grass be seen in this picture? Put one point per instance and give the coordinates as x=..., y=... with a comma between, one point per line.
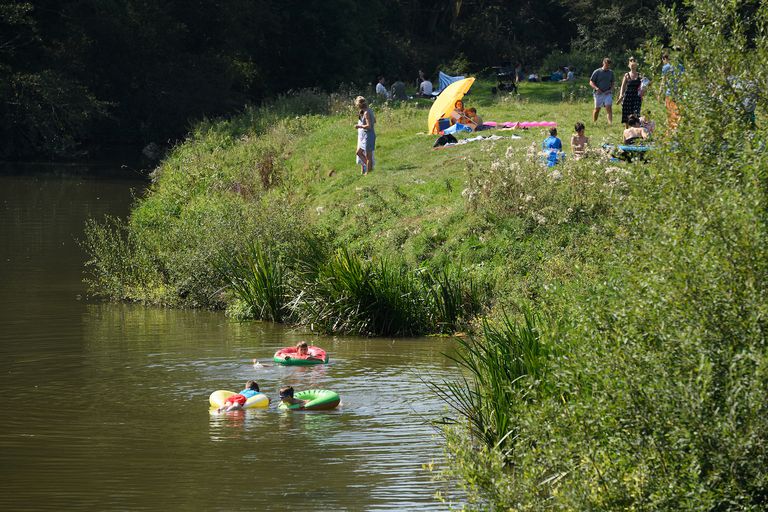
x=635, y=133
x=579, y=141
x=425, y=88
x=552, y=148
x=286, y=397
x=475, y=119
x=459, y=115
x=237, y=401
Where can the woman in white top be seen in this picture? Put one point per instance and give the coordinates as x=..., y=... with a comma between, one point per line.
x=366, y=135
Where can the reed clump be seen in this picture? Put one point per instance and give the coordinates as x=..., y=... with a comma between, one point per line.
x=349, y=294
x=501, y=367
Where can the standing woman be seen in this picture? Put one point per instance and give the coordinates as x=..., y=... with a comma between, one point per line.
x=366, y=135
x=629, y=97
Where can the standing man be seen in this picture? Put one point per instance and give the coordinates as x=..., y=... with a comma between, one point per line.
x=601, y=82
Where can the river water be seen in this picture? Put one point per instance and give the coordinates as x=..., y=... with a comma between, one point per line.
x=105, y=406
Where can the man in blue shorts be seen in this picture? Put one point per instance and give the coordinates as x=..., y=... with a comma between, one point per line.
x=601, y=82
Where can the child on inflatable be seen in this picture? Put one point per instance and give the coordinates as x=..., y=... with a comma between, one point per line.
x=302, y=348
x=236, y=402
x=286, y=396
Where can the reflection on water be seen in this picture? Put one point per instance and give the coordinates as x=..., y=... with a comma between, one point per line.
x=107, y=405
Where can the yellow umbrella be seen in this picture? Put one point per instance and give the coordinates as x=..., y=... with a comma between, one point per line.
x=444, y=103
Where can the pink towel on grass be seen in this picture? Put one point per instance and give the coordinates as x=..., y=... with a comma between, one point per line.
x=523, y=124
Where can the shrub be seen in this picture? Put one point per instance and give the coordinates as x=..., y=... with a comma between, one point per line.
x=658, y=401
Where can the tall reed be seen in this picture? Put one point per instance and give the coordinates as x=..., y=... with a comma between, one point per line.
x=257, y=277
x=344, y=292
x=454, y=299
x=499, y=369
x=353, y=295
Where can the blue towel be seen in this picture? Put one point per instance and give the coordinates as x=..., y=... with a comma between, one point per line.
x=458, y=127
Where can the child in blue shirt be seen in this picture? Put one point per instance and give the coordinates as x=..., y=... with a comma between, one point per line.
x=236, y=402
x=552, y=147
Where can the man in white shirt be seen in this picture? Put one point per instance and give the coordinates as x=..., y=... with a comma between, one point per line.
x=381, y=89
x=425, y=88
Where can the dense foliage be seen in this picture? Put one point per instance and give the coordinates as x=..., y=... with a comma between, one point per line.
x=649, y=392
x=102, y=72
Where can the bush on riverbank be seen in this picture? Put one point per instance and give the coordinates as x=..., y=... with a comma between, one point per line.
x=652, y=391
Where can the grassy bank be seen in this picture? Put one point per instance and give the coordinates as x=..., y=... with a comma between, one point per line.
x=283, y=176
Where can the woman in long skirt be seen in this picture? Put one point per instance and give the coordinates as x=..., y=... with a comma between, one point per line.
x=630, y=96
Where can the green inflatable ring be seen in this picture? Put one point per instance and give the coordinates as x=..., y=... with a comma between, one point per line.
x=317, y=400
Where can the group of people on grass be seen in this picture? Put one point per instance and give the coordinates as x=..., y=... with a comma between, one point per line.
x=638, y=126
x=633, y=88
x=424, y=88
x=638, y=130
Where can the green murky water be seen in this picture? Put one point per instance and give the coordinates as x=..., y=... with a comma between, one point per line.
x=105, y=405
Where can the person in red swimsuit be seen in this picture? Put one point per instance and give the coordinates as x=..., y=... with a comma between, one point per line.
x=302, y=349
x=237, y=401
